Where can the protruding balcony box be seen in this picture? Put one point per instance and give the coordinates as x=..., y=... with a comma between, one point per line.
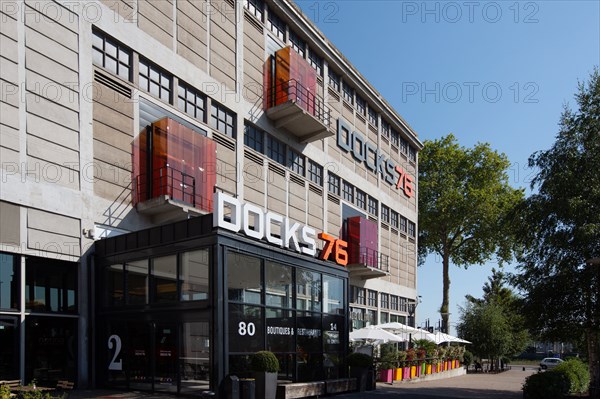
x=173, y=171
x=291, y=99
x=364, y=259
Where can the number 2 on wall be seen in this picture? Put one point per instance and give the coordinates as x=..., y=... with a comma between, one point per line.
x=114, y=364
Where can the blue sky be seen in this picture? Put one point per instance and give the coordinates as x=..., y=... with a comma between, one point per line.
x=497, y=72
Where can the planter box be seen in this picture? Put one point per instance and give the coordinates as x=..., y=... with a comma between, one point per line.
x=360, y=374
x=266, y=385
x=398, y=374
x=386, y=375
x=413, y=371
x=406, y=373
x=428, y=369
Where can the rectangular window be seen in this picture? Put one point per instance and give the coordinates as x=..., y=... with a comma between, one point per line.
x=253, y=137
x=334, y=80
x=256, y=8
x=403, y=304
x=348, y=191
x=50, y=285
x=296, y=162
x=10, y=281
x=276, y=25
x=372, y=299
x=385, y=300
x=412, y=153
x=275, y=150
x=385, y=213
x=372, y=117
x=298, y=44
x=348, y=92
x=361, y=199
x=412, y=231
x=403, y=224
x=155, y=81
x=393, y=302
x=164, y=279
x=333, y=184
x=222, y=119
x=394, y=218
x=315, y=61
x=192, y=102
x=361, y=105
x=315, y=172
x=111, y=55
x=403, y=146
x=360, y=296
x=136, y=276
x=278, y=285
x=244, y=281
x=385, y=128
x=333, y=295
x=372, y=206
x=395, y=137
x=193, y=275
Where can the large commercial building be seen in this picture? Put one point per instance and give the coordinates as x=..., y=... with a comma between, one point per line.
x=184, y=183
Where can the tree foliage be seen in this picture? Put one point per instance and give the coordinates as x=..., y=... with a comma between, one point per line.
x=562, y=222
x=464, y=197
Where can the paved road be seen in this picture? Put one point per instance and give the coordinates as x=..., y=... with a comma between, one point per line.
x=506, y=385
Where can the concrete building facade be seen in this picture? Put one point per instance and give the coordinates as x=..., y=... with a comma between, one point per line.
x=287, y=125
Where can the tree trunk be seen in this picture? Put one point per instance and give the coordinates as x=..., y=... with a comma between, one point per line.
x=444, y=309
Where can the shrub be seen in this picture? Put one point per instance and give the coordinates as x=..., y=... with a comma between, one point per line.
x=4, y=392
x=389, y=357
x=577, y=373
x=264, y=361
x=544, y=385
x=467, y=358
x=359, y=360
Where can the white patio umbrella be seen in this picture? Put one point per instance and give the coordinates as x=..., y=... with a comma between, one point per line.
x=373, y=333
x=443, y=337
x=407, y=332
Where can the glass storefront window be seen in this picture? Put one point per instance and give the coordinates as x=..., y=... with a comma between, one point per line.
x=115, y=285
x=244, y=278
x=194, y=275
x=136, y=275
x=278, y=283
x=333, y=294
x=308, y=292
x=9, y=349
x=280, y=330
x=164, y=279
x=194, y=361
x=246, y=328
x=51, y=285
x=9, y=281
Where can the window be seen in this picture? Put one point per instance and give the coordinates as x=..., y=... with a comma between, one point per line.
x=385, y=213
x=253, y=138
x=136, y=276
x=296, y=162
x=412, y=153
x=244, y=283
x=298, y=44
x=372, y=206
x=315, y=172
x=222, y=119
x=385, y=128
x=164, y=279
x=193, y=275
x=395, y=137
x=50, y=285
x=403, y=223
x=155, y=81
x=10, y=273
x=393, y=302
x=361, y=105
x=372, y=298
x=333, y=294
x=278, y=285
x=403, y=146
x=403, y=304
x=111, y=55
x=256, y=8
x=372, y=116
x=275, y=150
x=192, y=102
x=315, y=61
x=361, y=199
x=359, y=295
x=348, y=92
x=334, y=80
x=348, y=191
x=334, y=184
x=276, y=25
x=385, y=300
x=412, y=231
x=394, y=218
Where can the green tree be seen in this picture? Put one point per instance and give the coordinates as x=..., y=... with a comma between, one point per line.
x=464, y=197
x=562, y=219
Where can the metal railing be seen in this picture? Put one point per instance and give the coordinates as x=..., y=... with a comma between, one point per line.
x=295, y=92
x=369, y=257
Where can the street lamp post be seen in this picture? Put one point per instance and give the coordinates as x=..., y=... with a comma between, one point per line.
x=593, y=329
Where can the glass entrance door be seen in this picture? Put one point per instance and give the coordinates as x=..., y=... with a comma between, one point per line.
x=165, y=356
x=9, y=348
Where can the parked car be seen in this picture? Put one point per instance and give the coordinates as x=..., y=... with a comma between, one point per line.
x=550, y=362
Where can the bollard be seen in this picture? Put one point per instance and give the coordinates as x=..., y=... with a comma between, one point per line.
x=232, y=387
x=247, y=388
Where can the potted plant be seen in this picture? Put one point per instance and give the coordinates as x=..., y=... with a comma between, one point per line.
x=399, y=372
x=359, y=364
x=264, y=365
x=389, y=356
